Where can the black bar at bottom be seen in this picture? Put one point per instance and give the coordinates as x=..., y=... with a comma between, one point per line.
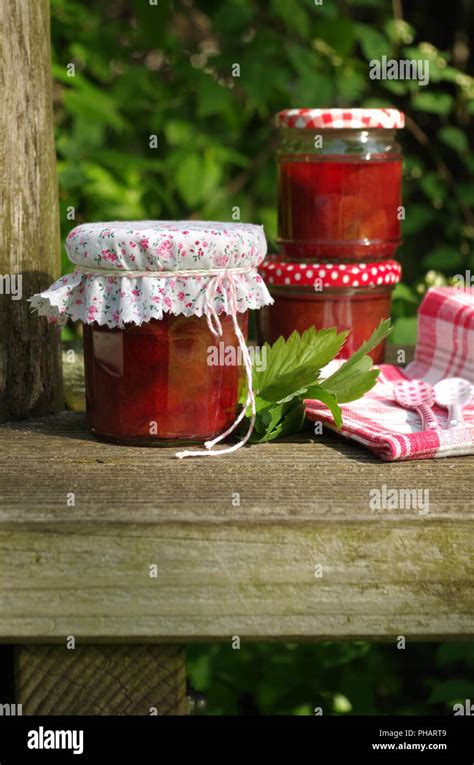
x=427, y=739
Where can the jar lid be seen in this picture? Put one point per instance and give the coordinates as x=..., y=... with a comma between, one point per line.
x=159, y=245
x=389, y=119
x=137, y=271
x=282, y=273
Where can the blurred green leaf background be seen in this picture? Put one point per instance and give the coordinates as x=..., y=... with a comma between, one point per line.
x=154, y=124
x=356, y=678
x=151, y=122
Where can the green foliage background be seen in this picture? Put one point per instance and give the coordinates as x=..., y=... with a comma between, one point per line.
x=165, y=70
x=340, y=678
x=143, y=69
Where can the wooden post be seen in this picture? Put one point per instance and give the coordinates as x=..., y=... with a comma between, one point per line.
x=30, y=362
x=100, y=680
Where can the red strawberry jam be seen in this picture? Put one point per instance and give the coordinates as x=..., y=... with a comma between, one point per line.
x=339, y=208
x=359, y=310
x=153, y=383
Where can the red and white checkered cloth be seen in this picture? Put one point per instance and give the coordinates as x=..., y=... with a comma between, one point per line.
x=390, y=119
x=445, y=348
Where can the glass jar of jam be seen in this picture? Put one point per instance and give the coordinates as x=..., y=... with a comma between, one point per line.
x=158, y=382
x=354, y=297
x=164, y=307
x=339, y=184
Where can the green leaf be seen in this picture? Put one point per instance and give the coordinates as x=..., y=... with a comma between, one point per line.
x=435, y=103
x=405, y=293
x=212, y=174
x=153, y=20
x=351, y=83
x=399, y=31
x=434, y=187
x=283, y=419
x=67, y=334
x=94, y=104
x=256, y=62
x=228, y=155
x=312, y=85
x=449, y=653
x=318, y=393
x=230, y=22
x=188, y=179
x=268, y=217
x=197, y=177
x=353, y=382
x=293, y=15
x=451, y=74
x=376, y=103
x=118, y=199
x=338, y=33
x=356, y=376
x=417, y=218
x=404, y=331
x=397, y=87
x=446, y=258
x=303, y=59
x=373, y=43
x=213, y=98
x=178, y=132
x=451, y=691
x=290, y=374
x=455, y=138
x=295, y=363
x=466, y=191
x=199, y=671
x=71, y=176
x=302, y=711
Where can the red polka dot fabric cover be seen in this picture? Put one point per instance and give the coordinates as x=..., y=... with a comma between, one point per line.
x=280, y=273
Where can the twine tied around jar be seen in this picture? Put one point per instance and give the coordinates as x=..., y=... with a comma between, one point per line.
x=225, y=280
x=219, y=280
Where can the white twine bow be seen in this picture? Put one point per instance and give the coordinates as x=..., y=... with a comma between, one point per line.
x=226, y=281
x=220, y=279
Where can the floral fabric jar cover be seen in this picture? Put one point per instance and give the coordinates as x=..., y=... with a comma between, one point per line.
x=116, y=292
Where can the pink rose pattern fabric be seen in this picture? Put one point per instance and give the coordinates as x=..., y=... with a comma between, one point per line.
x=154, y=246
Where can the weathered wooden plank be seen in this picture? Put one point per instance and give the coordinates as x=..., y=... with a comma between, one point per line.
x=30, y=372
x=311, y=478
x=100, y=680
x=93, y=581
x=226, y=570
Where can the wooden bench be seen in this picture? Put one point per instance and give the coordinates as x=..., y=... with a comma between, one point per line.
x=112, y=558
x=124, y=549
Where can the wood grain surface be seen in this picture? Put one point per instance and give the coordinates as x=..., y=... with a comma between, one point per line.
x=224, y=569
x=100, y=680
x=30, y=372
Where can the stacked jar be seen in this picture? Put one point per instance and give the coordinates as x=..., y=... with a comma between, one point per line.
x=339, y=213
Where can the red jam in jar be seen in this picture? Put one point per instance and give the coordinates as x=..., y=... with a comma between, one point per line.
x=155, y=382
x=355, y=298
x=339, y=184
